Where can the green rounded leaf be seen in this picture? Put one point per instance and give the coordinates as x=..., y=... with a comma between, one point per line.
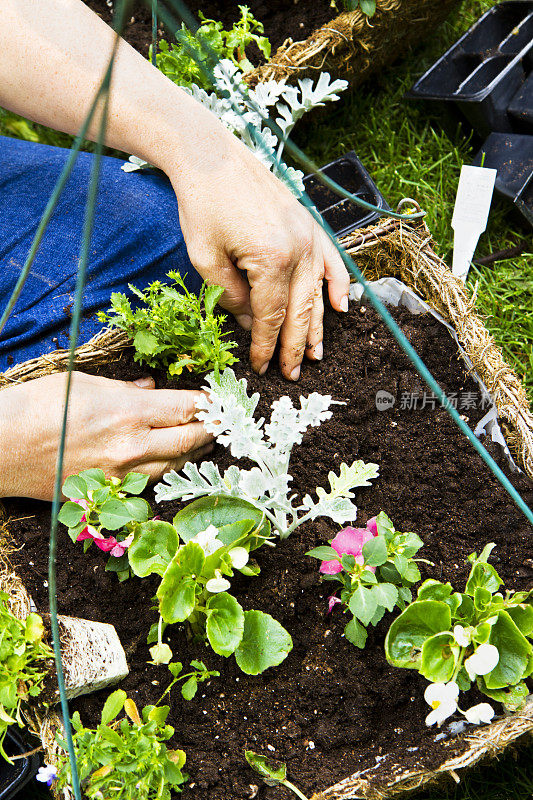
x=272, y=772
x=177, y=590
x=409, y=631
x=113, y=706
x=154, y=546
x=225, y=623
x=512, y=698
x=356, y=633
x=75, y=487
x=386, y=595
x=94, y=478
x=218, y=511
x=375, y=552
x=134, y=483
x=189, y=688
x=363, y=604
x=265, y=643
x=114, y=515
x=522, y=616
x=515, y=654
x=323, y=553
x=70, y=514
x=439, y=657
x=138, y=509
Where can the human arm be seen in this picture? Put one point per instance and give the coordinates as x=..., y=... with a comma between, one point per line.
x=233, y=212
x=115, y=425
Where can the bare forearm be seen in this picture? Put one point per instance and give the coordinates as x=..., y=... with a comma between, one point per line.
x=54, y=54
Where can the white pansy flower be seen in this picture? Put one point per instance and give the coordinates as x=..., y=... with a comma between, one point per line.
x=442, y=697
x=161, y=653
x=462, y=635
x=482, y=661
x=217, y=584
x=483, y=712
x=208, y=540
x=239, y=557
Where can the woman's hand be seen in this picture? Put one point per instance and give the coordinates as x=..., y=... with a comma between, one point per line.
x=235, y=214
x=250, y=221
x=115, y=425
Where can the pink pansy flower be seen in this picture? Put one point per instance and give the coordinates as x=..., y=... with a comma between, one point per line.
x=350, y=542
x=372, y=526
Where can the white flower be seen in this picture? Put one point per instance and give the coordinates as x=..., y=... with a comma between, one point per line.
x=217, y=584
x=161, y=653
x=462, y=635
x=208, y=540
x=442, y=697
x=46, y=774
x=133, y=165
x=482, y=661
x=483, y=712
x=239, y=557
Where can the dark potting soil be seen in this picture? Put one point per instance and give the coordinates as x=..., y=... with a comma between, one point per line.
x=281, y=19
x=329, y=709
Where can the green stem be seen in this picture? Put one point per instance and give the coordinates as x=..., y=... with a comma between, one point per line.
x=294, y=789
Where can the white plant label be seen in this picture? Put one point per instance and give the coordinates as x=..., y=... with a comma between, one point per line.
x=472, y=206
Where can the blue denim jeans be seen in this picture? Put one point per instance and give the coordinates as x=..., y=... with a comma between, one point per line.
x=136, y=239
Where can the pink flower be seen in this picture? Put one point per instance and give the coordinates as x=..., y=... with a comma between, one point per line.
x=109, y=545
x=350, y=542
x=372, y=526
x=332, y=601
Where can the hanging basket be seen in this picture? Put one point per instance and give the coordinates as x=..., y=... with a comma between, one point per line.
x=352, y=46
x=403, y=251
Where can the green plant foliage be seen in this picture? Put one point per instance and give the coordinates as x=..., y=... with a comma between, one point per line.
x=194, y=582
x=177, y=62
x=97, y=504
x=377, y=579
x=274, y=773
x=125, y=759
x=447, y=636
x=173, y=329
x=24, y=662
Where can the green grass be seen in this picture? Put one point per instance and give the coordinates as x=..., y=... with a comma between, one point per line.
x=406, y=149
x=407, y=152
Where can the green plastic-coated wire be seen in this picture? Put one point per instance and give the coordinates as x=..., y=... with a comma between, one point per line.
x=154, y=33
x=353, y=269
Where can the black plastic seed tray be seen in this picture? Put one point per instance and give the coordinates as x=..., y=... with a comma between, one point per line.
x=342, y=215
x=487, y=74
x=512, y=155
x=13, y=777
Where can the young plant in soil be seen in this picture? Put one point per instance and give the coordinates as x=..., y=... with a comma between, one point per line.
x=125, y=759
x=176, y=62
x=375, y=567
x=455, y=639
x=228, y=413
x=98, y=504
x=194, y=583
x=274, y=773
x=25, y=660
x=199, y=674
x=173, y=329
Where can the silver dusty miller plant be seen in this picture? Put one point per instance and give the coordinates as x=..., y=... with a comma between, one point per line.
x=228, y=413
x=244, y=111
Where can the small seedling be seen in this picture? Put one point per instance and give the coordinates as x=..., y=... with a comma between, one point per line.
x=274, y=773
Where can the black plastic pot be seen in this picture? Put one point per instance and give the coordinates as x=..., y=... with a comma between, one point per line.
x=342, y=215
x=487, y=74
x=512, y=155
x=13, y=777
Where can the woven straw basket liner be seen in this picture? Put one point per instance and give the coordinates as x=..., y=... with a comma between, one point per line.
x=394, y=249
x=352, y=46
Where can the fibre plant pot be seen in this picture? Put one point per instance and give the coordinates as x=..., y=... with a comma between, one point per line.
x=93, y=657
x=13, y=777
x=340, y=214
x=511, y=154
x=486, y=74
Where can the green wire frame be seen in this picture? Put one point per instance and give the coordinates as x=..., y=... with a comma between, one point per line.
x=100, y=102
